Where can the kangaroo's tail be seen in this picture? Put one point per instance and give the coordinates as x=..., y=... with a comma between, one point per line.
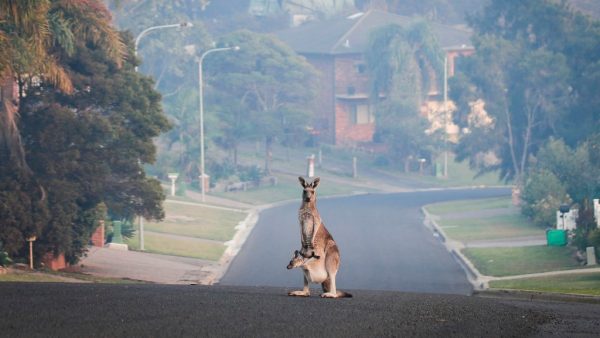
x=342, y=294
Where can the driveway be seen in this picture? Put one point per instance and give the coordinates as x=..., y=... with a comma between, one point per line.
x=145, y=266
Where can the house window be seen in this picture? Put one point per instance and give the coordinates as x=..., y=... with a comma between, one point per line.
x=361, y=68
x=361, y=114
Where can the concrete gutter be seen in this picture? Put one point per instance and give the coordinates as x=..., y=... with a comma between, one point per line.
x=479, y=281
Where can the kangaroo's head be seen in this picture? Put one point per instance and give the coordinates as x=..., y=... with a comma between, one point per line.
x=309, y=194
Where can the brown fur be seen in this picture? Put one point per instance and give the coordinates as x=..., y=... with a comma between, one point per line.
x=316, y=242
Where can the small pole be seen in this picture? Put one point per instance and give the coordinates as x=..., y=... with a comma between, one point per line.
x=173, y=178
x=31, y=240
x=354, y=167
x=320, y=158
x=31, y=255
x=141, y=233
x=310, y=170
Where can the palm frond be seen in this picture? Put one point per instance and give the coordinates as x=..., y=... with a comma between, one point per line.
x=91, y=21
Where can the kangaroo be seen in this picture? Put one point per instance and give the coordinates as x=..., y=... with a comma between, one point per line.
x=319, y=256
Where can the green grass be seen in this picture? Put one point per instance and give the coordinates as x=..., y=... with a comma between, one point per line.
x=287, y=188
x=469, y=205
x=185, y=247
x=521, y=260
x=459, y=174
x=583, y=284
x=489, y=228
x=29, y=277
x=59, y=277
x=197, y=221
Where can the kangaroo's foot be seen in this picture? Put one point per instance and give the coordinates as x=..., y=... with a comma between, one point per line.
x=329, y=295
x=299, y=293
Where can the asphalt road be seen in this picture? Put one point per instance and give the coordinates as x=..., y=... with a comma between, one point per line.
x=382, y=240
x=101, y=310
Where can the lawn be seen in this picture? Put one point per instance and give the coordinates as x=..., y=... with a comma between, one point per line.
x=583, y=284
x=178, y=246
x=59, y=277
x=195, y=220
x=287, y=188
x=489, y=228
x=459, y=174
x=445, y=208
x=29, y=277
x=521, y=260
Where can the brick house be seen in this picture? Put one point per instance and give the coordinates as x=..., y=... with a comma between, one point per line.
x=343, y=115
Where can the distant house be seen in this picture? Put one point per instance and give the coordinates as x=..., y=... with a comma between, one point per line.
x=336, y=48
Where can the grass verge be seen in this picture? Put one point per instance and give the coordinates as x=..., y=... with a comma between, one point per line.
x=581, y=284
x=194, y=220
x=178, y=246
x=512, y=261
x=60, y=277
x=287, y=188
x=489, y=228
x=445, y=208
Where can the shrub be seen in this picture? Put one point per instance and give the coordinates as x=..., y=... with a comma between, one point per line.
x=542, y=196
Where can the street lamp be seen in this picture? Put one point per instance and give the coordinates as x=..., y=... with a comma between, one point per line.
x=446, y=115
x=135, y=49
x=149, y=29
x=201, y=104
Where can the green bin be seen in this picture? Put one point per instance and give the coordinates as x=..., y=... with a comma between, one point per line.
x=556, y=237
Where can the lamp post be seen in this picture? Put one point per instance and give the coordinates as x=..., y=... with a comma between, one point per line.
x=135, y=49
x=149, y=29
x=201, y=104
x=446, y=116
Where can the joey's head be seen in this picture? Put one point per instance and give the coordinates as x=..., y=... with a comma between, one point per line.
x=309, y=193
x=296, y=261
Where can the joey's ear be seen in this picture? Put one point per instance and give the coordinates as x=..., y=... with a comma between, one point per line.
x=302, y=181
x=296, y=253
x=316, y=182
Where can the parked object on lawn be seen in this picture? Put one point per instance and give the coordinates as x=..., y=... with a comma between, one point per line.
x=556, y=237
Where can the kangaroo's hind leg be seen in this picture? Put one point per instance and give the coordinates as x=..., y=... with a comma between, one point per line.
x=332, y=263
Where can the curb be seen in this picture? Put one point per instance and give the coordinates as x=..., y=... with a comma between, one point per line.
x=244, y=228
x=477, y=280
x=536, y=296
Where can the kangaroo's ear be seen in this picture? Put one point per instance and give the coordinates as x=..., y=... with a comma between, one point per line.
x=316, y=182
x=296, y=253
x=302, y=181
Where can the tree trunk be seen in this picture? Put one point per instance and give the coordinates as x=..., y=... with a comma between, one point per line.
x=235, y=155
x=407, y=165
x=268, y=154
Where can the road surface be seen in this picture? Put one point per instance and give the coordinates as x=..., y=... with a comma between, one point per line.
x=382, y=240
x=101, y=310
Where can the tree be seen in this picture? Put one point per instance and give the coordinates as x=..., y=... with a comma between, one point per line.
x=523, y=77
x=31, y=33
x=87, y=150
x=271, y=88
x=404, y=64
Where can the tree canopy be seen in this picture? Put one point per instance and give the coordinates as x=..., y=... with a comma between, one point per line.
x=534, y=64
x=85, y=151
x=404, y=63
